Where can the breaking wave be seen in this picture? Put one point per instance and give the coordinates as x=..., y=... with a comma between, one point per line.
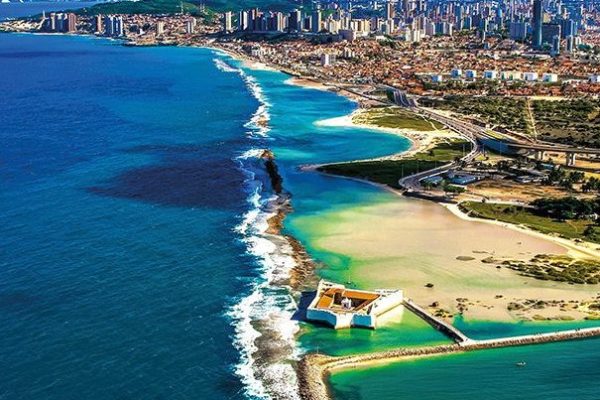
x=263, y=324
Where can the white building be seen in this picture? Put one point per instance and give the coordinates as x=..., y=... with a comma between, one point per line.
x=511, y=76
x=594, y=78
x=160, y=28
x=190, y=26
x=456, y=73
x=492, y=75
x=325, y=60
x=344, y=308
x=530, y=76
x=550, y=78
x=228, y=21
x=471, y=74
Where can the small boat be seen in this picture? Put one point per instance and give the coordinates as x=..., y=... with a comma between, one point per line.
x=521, y=364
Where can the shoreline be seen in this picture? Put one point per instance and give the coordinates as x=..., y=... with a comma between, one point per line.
x=579, y=250
x=276, y=221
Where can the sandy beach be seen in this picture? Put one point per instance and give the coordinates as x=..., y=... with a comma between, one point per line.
x=408, y=244
x=421, y=141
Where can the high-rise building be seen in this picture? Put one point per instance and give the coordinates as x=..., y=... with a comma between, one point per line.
x=316, y=21
x=536, y=23
x=71, y=22
x=406, y=7
x=570, y=41
x=228, y=22
x=389, y=10
x=190, y=26
x=295, y=21
x=549, y=31
x=518, y=30
x=160, y=28
x=556, y=44
x=98, y=24
x=113, y=26
x=52, y=22
x=243, y=20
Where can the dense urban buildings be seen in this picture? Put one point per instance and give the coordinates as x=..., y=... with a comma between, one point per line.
x=541, y=47
x=544, y=24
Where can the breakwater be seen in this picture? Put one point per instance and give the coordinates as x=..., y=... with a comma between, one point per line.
x=314, y=369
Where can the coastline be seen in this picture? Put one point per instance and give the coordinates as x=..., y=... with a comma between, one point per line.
x=276, y=221
x=577, y=250
x=309, y=388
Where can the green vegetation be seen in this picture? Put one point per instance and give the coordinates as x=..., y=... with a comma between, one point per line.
x=558, y=268
x=541, y=219
x=567, y=207
x=144, y=7
x=389, y=172
x=236, y=5
x=568, y=121
x=507, y=112
x=396, y=117
x=197, y=8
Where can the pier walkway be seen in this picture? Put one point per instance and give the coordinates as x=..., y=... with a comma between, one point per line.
x=438, y=323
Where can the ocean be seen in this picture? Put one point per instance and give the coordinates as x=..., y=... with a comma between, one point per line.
x=133, y=203
x=135, y=264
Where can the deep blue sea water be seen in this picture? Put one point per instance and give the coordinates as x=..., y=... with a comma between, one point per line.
x=120, y=193
x=130, y=265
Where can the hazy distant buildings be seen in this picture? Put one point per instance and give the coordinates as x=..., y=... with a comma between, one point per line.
x=536, y=23
x=228, y=22
x=113, y=26
x=518, y=31
x=60, y=22
x=190, y=26
x=316, y=21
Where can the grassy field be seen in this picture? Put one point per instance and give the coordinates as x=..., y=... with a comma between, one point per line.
x=572, y=229
x=575, y=121
x=395, y=117
x=507, y=112
x=389, y=172
x=568, y=121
